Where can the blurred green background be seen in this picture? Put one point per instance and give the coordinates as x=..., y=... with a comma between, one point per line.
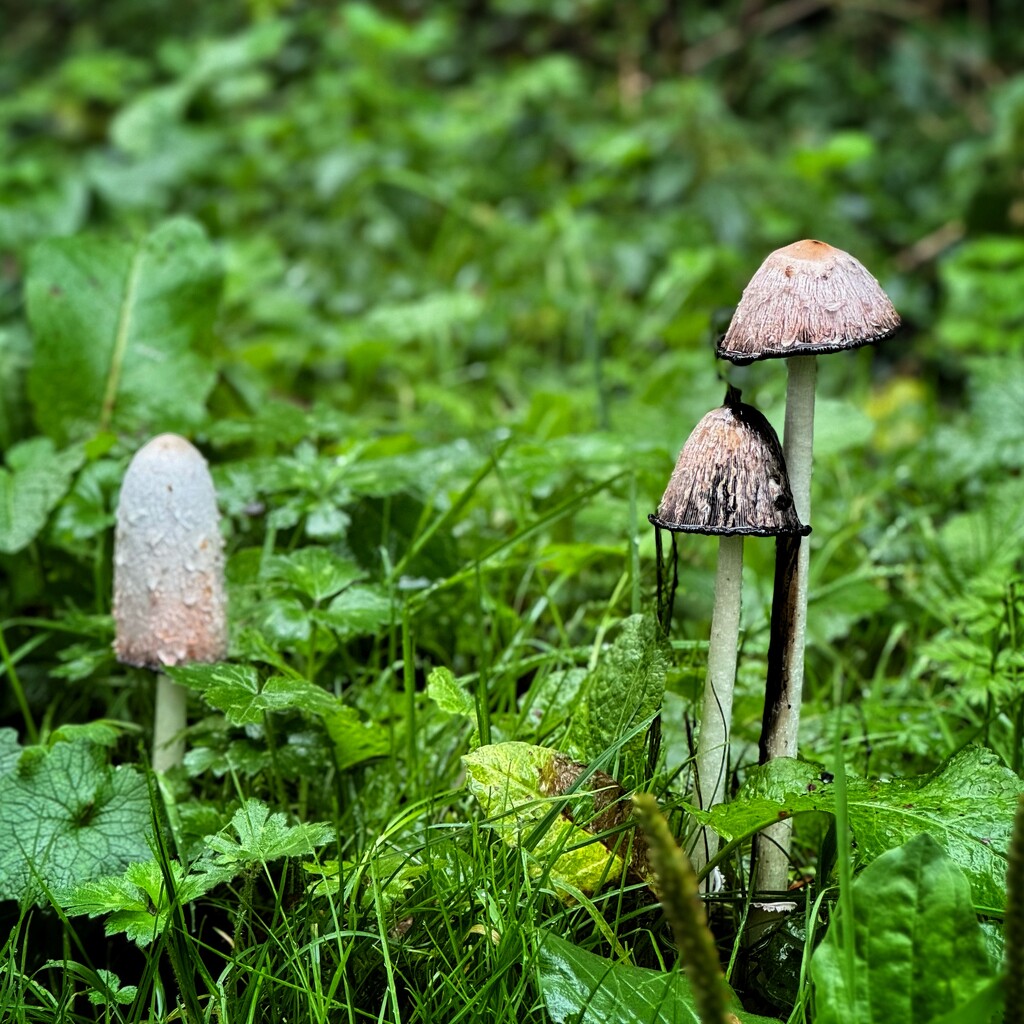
x=447, y=224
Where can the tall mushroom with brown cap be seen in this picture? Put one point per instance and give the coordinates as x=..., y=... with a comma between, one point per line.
x=169, y=603
x=730, y=481
x=805, y=300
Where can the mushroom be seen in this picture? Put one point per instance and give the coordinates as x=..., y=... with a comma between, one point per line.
x=806, y=299
x=169, y=604
x=729, y=481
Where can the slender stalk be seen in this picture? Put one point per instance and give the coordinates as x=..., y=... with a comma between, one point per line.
x=409, y=686
x=169, y=721
x=1013, y=923
x=19, y=692
x=784, y=689
x=716, y=713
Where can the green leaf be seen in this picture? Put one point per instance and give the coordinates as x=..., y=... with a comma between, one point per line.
x=354, y=740
x=238, y=691
x=444, y=690
x=358, y=611
x=36, y=478
x=967, y=805
x=919, y=952
x=121, y=331
x=66, y=816
x=112, y=992
x=137, y=901
x=263, y=837
x=624, y=690
x=581, y=988
x=508, y=781
x=314, y=572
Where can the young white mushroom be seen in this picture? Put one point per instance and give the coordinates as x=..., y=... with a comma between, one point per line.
x=805, y=300
x=730, y=481
x=169, y=602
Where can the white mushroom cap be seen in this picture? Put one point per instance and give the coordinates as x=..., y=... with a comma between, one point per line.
x=807, y=299
x=169, y=603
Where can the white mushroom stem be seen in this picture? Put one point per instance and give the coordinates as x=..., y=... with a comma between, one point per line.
x=789, y=615
x=716, y=714
x=169, y=722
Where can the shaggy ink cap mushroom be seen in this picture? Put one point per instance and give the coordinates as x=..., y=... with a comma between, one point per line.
x=807, y=299
x=730, y=478
x=169, y=603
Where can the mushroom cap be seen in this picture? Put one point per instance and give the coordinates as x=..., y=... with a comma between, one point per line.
x=807, y=299
x=169, y=603
x=730, y=478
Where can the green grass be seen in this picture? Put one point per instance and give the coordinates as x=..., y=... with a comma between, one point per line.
x=438, y=312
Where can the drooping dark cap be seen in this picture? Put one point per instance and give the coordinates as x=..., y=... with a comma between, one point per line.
x=730, y=478
x=169, y=603
x=807, y=299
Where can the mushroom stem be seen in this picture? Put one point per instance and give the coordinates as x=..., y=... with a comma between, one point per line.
x=169, y=722
x=783, y=693
x=716, y=713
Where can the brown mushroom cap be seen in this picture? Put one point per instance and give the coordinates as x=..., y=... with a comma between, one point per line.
x=730, y=478
x=807, y=299
x=169, y=603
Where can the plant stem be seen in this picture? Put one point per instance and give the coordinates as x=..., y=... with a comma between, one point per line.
x=409, y=685
x=676, y=886
x=19, y=693
x=716, y=713
x=169, y=720
x=785, y=682
x=1013, y=922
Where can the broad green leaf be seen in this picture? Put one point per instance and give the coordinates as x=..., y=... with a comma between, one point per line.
x=66, y=817
x=581, y=988
x=121, y=331
x=358, y=611
x=966, y=805
x=10, y=751
x=264, y=837
x=511, y=782
x=112, y=992
x=36, y=478
x=239, y=692
x=137, y=902
x=315, y=572
x=444, y=690
x=624, y=690
x=102, y=732
x=354, y=740
x=919, y=952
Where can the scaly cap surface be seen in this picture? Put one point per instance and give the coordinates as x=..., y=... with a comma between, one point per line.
x=730, y=478
x=807, y=298
x=169, y=602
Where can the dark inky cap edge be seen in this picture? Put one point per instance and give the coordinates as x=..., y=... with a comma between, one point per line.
x=746, y=531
